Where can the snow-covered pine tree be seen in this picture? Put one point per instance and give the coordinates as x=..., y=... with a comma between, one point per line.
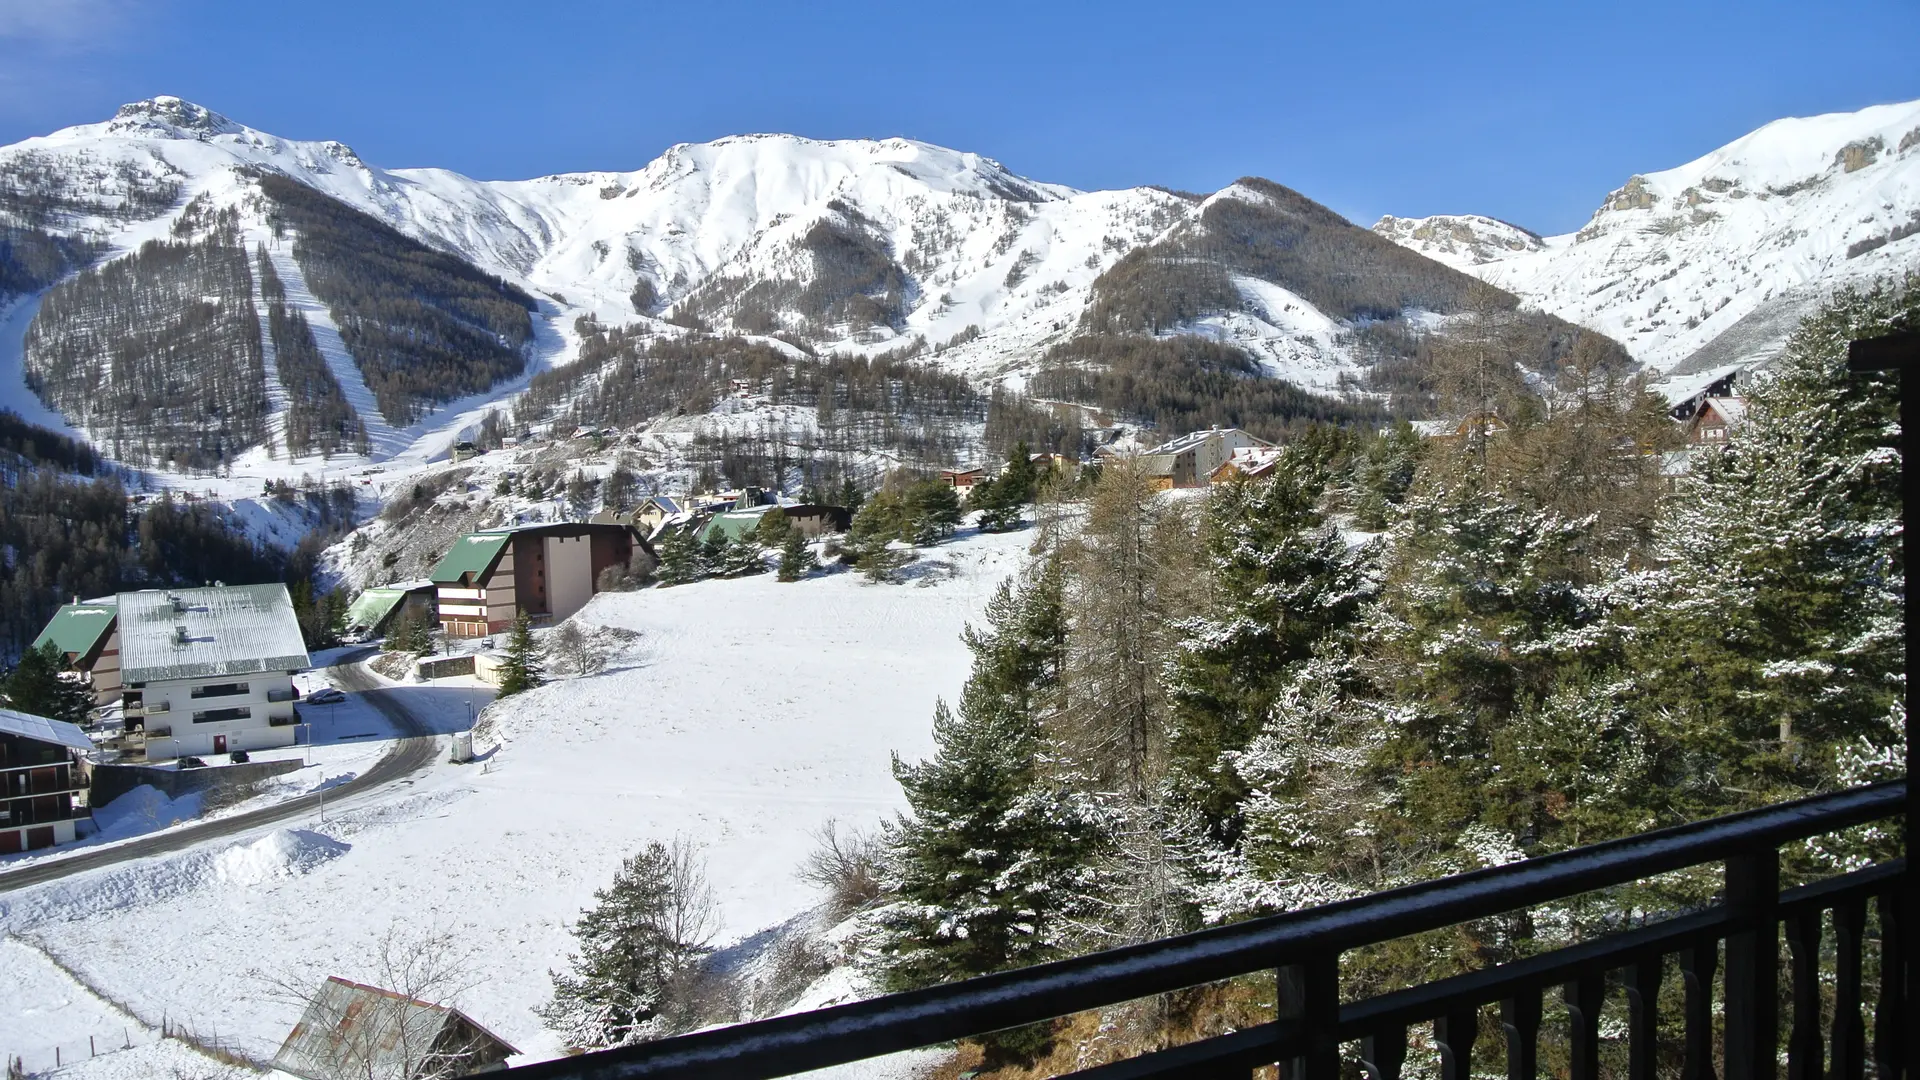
x=680, y=561
x=796, y=558
x=38, y=684
x=1279, y=581
x=989, y=870
x=521, y=670
x=740, y=557
x=638, y=945
x=1770, y=649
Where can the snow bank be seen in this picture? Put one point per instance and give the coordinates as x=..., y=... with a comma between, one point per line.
x=280, y=854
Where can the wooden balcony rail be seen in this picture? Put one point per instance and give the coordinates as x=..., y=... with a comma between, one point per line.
x=1741, y=934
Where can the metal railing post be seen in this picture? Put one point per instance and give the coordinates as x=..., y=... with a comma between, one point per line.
x=1753, y=967
x=1310, y=993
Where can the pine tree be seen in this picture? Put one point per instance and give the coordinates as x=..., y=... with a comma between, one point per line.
x=1020, y=480
x=994, y=866
x=522, y=669
x=680, y=561
x=1280, y=580
x=638, y=945
x=741, y=557
x=1769, y=645
x=39, y=685
x=796, y=558
x=933, y=512
x=773, y=528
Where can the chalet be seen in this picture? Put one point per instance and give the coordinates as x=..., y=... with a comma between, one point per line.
x=548, y=570
x=962, y=480
x=1250, y=462
x=1714, y=422
x=210, y=671
x=87, y=638
x=1190, y=460
x=463, y=451
x=44, y=774
x=656, y=509
x=375, y=611
x=1686, y=393
x=353, y=1030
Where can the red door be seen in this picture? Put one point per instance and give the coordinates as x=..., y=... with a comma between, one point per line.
x=9, y=842
x=219, y=744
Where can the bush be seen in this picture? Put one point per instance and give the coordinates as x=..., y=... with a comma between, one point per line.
x=844, y=864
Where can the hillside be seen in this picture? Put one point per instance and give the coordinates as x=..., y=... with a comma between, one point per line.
x=1737, y=244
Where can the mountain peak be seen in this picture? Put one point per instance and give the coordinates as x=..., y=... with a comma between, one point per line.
x=166, y=111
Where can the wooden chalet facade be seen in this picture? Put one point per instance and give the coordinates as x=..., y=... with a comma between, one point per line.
x=1713, y=423
x=549, y=571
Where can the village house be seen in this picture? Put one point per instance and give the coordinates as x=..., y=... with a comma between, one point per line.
x=962, y=481
x=1714, y=422
x=44, y=774
x=86, y=636
x=1250, y=462
x=547, y=570
x=1190, y=460
x=375, y=611
x=210, y=671
x=351, y=1030
x=655, y=510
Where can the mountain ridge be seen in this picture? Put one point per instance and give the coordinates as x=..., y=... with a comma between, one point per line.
x=1672, y=260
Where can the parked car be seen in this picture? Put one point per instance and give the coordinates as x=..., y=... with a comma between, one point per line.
x=239, y=757
x=326, y=695
x=192, y=763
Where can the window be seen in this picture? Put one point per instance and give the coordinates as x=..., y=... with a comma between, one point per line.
x=215, y=716
x=225, y=689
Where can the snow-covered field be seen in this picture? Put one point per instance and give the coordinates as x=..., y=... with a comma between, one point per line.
x=749, y=714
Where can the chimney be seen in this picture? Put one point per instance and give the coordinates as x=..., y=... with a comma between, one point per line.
x=180, y=635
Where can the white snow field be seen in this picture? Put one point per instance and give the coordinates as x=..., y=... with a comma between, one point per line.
x=749, y=714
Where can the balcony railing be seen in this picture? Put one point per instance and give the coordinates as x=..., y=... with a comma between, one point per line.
x=1304, y=949
x=279, y=694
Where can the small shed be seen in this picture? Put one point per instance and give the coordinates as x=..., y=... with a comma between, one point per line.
x=353, y=1030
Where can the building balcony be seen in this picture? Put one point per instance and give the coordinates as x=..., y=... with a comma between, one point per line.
x=158, y=708
x=279, y=694
x=21, y=816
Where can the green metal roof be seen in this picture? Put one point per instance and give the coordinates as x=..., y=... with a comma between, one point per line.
x=471, y=554
x=77, y=628
x=733, y=524
x=371, y=608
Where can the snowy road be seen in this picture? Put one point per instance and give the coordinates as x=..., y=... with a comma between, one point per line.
x=408, y=755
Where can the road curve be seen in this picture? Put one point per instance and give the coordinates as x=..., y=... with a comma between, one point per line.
x=410, y=753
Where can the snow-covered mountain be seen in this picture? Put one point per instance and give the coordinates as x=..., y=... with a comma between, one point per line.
x=853, y=246
x=982, y=246
x=1722, y=254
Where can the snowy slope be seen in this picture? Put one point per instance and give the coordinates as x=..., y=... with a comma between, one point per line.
x=1672, y=260
x=751, y=712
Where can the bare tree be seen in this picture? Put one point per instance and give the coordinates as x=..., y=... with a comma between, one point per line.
x=845, y=864
x=576, y=649
x=399, y=1031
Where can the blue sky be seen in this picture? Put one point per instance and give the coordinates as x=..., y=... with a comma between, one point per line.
x=1527, y=111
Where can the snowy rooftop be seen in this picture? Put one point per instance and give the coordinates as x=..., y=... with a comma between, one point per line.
x=1684, y=388
x=1195, y=438
x=42, y=729
x=199, y=633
